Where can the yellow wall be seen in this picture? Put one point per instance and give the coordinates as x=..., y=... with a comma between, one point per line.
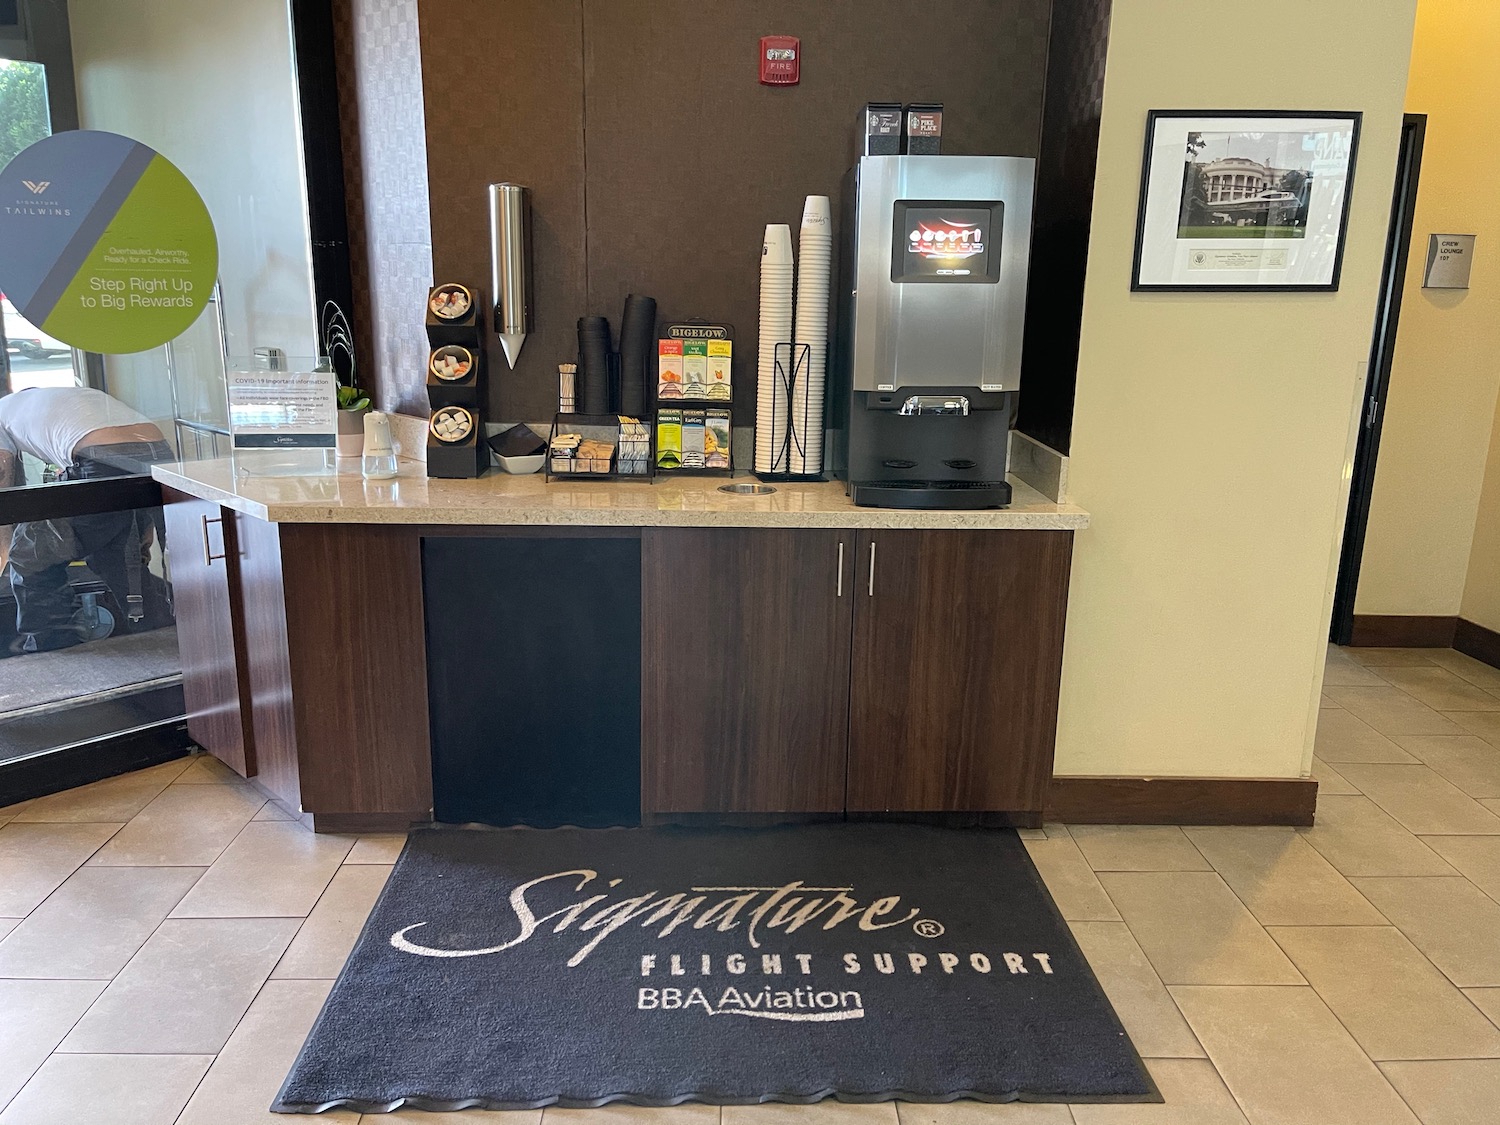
x=1212, y=431
x=1481, y=603
x=1441, y=404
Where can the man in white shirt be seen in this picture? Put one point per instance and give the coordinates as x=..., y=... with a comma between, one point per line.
x=88, y=435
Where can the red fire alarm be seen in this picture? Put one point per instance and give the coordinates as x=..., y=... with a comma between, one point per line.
x=780, y=60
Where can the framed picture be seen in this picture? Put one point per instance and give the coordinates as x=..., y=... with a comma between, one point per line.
x=1238, y=200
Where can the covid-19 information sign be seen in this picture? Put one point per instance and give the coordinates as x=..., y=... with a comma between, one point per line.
x=107, y=246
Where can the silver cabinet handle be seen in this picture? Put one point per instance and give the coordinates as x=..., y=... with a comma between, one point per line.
x=872, y=568
x=840, y=586
x=208, y=555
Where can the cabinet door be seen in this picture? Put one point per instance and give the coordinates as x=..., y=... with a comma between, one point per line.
x=745, y=677
x=201, y=550
x=957, y=657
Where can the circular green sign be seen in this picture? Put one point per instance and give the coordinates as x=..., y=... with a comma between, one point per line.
x=108, y=247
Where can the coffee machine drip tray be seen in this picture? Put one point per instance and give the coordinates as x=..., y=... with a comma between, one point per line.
x=949, y=494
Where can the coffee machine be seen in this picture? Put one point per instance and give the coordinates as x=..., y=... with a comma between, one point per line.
x=927, y=360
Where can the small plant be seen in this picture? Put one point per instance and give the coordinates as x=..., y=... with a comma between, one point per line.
x=352, y=398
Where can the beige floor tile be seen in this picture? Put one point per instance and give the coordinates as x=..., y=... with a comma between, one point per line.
x=1477, y=858
x=976, y=1113
x=1331, y=783
x=186, y=989
x=1056, y=832
x=186, y=826
x=246, y=1076
x=1390, y=711
x=1492, y=804
x=1484, y=724
x=1440, y=689
x=1358, y=838
x=1137, y=847
x=1388, y=996
x=1282, y=879
x=1463, y=1092
x=205, y=769
x=382, y=849
x=1349, y=673
x=323, y=943
x=1476, y=672
x=36, y=858
x=1343, y=737
x=1194, y=1095
x=1487, y=1000
x=1194, y=929
x=1422, y=801
x=688, y=1114
x=271, y=870
x=1391, y=657
x=273, y=811
x=37, y=1015
x=826, y=1112
x=1450, y=920
x=1328, y=704
x=1468, y=762
x=113, y=800
x=94, y=923
x=1071, y=882
x=1286, y=1058
x=1150, y=1017
x=8, y=924
x=119, y=1089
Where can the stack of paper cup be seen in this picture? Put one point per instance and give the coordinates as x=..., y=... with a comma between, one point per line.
x=773, y=406
x=814, y=269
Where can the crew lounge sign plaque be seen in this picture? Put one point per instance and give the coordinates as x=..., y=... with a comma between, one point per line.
x=517, y=968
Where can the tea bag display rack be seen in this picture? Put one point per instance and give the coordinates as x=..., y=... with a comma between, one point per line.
x=564, y=460
x=792, y=362
x=456, y=387
x=694, y=359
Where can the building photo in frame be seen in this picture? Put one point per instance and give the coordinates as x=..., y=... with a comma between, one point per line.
x=1237, y=200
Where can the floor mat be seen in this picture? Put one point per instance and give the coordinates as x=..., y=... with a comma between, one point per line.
x=40, y=678
x=516, y=968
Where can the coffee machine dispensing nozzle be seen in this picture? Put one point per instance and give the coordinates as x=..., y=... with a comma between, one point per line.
x=957, y=405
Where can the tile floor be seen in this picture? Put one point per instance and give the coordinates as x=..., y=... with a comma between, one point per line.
x=166, y=939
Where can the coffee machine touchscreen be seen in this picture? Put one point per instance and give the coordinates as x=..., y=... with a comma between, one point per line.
x=954, y=242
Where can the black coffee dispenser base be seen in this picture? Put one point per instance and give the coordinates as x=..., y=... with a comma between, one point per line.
x=952, y=495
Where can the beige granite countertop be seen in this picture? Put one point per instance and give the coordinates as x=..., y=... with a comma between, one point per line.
x=501, y=499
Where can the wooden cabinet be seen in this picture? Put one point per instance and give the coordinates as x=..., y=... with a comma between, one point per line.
x=203, y=555
x=956, y=664
x=745, y=669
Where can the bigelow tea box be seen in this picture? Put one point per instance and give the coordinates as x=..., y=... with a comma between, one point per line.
x=720, y=353
x=694, y=368
x=669, y=369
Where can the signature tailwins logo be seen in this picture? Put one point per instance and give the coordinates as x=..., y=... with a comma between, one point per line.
x=37, y=205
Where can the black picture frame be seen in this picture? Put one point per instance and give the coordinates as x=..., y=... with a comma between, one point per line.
x=1354, y=118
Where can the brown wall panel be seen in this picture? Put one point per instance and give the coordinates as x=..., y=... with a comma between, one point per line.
x=503, y=84
x=687, y=156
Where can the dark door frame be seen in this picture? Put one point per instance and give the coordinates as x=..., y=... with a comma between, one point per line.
x=1378, y=380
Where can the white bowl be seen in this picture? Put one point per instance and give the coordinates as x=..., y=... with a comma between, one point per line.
x=522, y=465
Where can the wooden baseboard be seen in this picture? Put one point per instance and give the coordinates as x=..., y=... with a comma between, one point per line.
x=1373, y=630
x=1182, y=800
x=364, y=822
x=1478, y=642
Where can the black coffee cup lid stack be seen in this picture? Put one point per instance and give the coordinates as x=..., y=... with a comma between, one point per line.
x=593, y=365
x=637, y=335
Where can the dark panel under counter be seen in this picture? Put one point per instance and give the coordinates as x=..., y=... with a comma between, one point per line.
x=534, y=674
